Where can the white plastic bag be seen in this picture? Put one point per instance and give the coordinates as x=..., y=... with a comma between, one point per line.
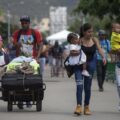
x=2, y=60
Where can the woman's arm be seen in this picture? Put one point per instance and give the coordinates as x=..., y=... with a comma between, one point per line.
x=100, y=50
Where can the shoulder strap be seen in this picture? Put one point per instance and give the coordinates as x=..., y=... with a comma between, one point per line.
x=19, y=33
x=67, y=58
x=94, y=40
x=80, y=55
x=34, y=35
x=32, y=31
x=107, y=45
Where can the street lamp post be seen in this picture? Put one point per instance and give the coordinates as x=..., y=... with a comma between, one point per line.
x=8, y=15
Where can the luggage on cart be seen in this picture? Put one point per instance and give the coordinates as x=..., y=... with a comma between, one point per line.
x=21, y=81
x=22, y=88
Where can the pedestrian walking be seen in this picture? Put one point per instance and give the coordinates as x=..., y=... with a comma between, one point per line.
x=115, y=49
x=56, y=52
x=101, y=67
x=28, y=42
x=89, y=44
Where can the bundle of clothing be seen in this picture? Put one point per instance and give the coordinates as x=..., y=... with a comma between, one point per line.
x=22, y=64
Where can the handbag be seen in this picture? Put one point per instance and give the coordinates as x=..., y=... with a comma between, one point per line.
x=68, y=68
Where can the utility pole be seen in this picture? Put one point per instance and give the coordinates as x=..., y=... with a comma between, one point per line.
x=8, y=15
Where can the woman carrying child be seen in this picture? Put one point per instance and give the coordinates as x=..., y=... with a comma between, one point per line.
x=89, y=44
x=115, y=50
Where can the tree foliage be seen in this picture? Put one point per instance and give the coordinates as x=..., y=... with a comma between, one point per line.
x=4, y=30
x=100, y=8
x=75, y=26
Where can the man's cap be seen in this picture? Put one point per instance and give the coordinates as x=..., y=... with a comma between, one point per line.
x=25, y=18
x=102, y=32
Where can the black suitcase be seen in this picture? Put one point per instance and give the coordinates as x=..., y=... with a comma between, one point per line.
x=22, y=88
x=21, y=81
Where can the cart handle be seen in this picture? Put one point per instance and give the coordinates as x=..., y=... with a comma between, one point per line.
x=44, y=86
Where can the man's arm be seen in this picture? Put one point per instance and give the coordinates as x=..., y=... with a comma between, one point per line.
x=39, y=43
x=40, y=47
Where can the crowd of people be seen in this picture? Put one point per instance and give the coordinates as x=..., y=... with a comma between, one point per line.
x=85, y=54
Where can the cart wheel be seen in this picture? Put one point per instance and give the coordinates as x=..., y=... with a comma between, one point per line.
x=39, y=105
x=9, y=107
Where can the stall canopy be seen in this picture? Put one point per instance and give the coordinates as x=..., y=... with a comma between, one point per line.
x=60, y=36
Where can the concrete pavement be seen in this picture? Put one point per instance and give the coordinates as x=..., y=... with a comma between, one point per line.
x=60, y=101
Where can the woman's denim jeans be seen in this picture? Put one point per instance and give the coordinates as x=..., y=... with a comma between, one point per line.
x=117, y=74
x=79, y=84
x=84, y=81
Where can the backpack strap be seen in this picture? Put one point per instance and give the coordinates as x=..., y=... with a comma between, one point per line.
x=67, y=59
x=80, y=55
x=34, y=35
x=19, y=33
x=107, y=45
x=32, y=31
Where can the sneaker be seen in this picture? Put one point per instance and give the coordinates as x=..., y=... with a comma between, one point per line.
x=20, y=105
x=85, y=73
x=101, y=89
x=87, y=110
x=28, y=105
x=119, y=106
x=78, y=110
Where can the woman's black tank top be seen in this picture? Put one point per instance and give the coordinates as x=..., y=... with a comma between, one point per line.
x=89, y=51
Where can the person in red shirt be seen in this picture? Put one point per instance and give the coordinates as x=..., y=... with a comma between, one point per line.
x=1, y=43
x=28, y=41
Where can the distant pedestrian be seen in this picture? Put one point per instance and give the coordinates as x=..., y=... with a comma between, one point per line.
x=11, y=49
x=56, y=53
x=4, y=57
x=43, y=56
x=101, y=67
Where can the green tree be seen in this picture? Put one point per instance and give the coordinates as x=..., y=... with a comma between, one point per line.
x=4, y=30
x=100, y=8
x=75, y=26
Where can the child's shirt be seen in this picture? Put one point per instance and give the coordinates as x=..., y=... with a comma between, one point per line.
x=115, y=41
x=74, y=47
x=78, y=59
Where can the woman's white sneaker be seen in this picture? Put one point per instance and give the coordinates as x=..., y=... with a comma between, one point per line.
x=85, y=73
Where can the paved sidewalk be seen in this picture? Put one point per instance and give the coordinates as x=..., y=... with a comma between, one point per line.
x=60, y=101
x=103, y=104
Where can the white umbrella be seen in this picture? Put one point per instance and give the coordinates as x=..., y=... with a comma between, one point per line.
x=60, y=36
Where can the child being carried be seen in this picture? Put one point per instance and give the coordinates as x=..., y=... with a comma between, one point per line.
x=76, y=56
